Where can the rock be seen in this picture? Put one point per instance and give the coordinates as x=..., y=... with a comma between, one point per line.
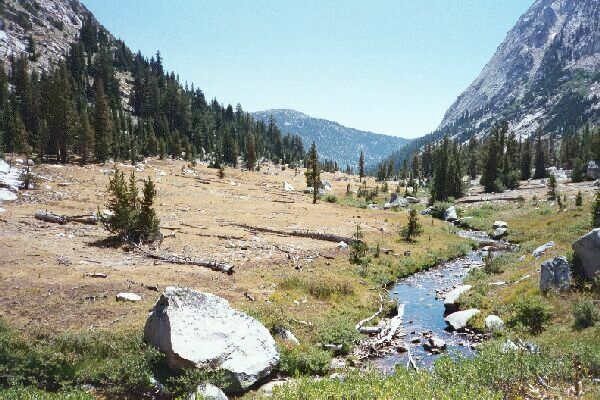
x=393, y=197
x=2, y=210
x=597, y=183
x=287, y=335
x=206, y=391
x=538, y=252
x=451, y=298
x=412, y=200
x=593, y=170
x=427, y=211
x=499, y=233
x=7, y=195
x=459, y=319
x=287, y=187
x=434, y=343
x=587, y=250
x=555, y=274
x=500, y=224
x=450, y=214
x=132, y=297
x=161, y=173
x=509, y=345
x=342, y=245
x=327, y=186
x=372, y=206
x=266, y=390
x=198, y=330
x=493, y=323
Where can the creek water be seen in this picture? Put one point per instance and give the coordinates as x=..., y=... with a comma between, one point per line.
x=423, y=312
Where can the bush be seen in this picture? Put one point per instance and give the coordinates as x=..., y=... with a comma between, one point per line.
x=304, y=360
x=533, y=313
x=339, y=329
x=585, y=313
x=132, y=218
x=439, y=208
x=330, y=198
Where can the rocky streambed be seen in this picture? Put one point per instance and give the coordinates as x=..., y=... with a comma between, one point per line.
x=426, y=334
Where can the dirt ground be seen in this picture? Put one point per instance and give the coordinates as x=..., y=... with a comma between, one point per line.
x=43, y=266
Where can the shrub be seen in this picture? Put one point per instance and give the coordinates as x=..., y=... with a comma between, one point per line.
x=578, y=199
x=439, y=208
x=533, y=313
x=304, y=360
x=585, y=313
x=339, y=330
x=413, y=228
x=132, y=218
x=330, y=198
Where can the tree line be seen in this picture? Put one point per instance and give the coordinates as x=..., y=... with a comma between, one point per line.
x=500, y=159
x=102, y=101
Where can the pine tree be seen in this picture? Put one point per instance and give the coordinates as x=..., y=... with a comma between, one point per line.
x=413, y=228
x=526, y=160
x=314, y=173
x=596, y=211
x=552, y=192
x=85, y=138
x=103, y=125
x=577, y=173
x=250, y=154
x=472, y=158
x=579, y=199
x=361, y=166
x=493, y=150
x=540, y=157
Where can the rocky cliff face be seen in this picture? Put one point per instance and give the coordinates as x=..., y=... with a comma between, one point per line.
x=334, y=141
x=545, y=74
x=52, y=24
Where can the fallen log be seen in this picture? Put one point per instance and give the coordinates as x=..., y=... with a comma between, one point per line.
x=63, y=219
x=177, y=259
x=328, y=237
x=483, y=199
x=364, y=321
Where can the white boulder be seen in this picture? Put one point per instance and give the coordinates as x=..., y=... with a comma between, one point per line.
x=460, y=319
x=450, y=214
x=499, y=233
x=131, y=297
x=287, y=187
x=206, y=391
x=500, y=224
x=200, y=330
x=493, y=323
x=555, y=274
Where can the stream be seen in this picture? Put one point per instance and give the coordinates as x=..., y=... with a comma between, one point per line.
x=424, y=312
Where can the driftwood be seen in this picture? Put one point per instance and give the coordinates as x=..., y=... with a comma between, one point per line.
x=177, y=259
x=370, y=329
x=328, y=237
x=63, y=219
x=385, y=339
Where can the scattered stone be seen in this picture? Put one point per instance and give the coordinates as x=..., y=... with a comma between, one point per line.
x=206, y=391
x=538, y=252
x=499, y=233
x=342, y=245
x=460, y=319
x=266, y=390
x=587, y=251
x=434, y=343
x=500, y=224
x=161, y=173
x=450, y=214
x=427, y=211
x=287, y=187
x=7, y=195
x=493, y=323
x=197, y=329
x=327, y=186
x=132, y=297
x=96, y=275
x=287, y=335
x=597, y=183
x=451, y=298
x=555, y=274
x=412, y=200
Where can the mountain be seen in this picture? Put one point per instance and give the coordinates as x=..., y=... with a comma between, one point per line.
x=545, y=74
x=53, y=25
x=334, y=141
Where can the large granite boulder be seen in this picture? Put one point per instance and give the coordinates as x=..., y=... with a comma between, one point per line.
x=593, y=170
x=587, y=251
x=555, y=274
x=460, y=319
x=499, y=233
x=493, y=323
x=200, y=330
x=500, y=224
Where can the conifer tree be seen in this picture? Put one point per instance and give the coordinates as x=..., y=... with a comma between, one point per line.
x=103, y=124
x=314, y=173
x=413, y=228
x=540, y=157
x=596, y=211
x=472, y=158
x=361, y=166
x=552, y=191
x=250, y=154
x=579, y=199
x=493, y=149
x=526, y=160
x=85, y=138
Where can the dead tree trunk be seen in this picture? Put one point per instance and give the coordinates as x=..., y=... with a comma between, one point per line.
x=177, y=259
x=328, y=237
x=63, y=219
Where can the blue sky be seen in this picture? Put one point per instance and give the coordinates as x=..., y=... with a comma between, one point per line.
x=390, y=67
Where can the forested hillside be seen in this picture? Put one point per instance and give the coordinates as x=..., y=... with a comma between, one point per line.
x=101, y=101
